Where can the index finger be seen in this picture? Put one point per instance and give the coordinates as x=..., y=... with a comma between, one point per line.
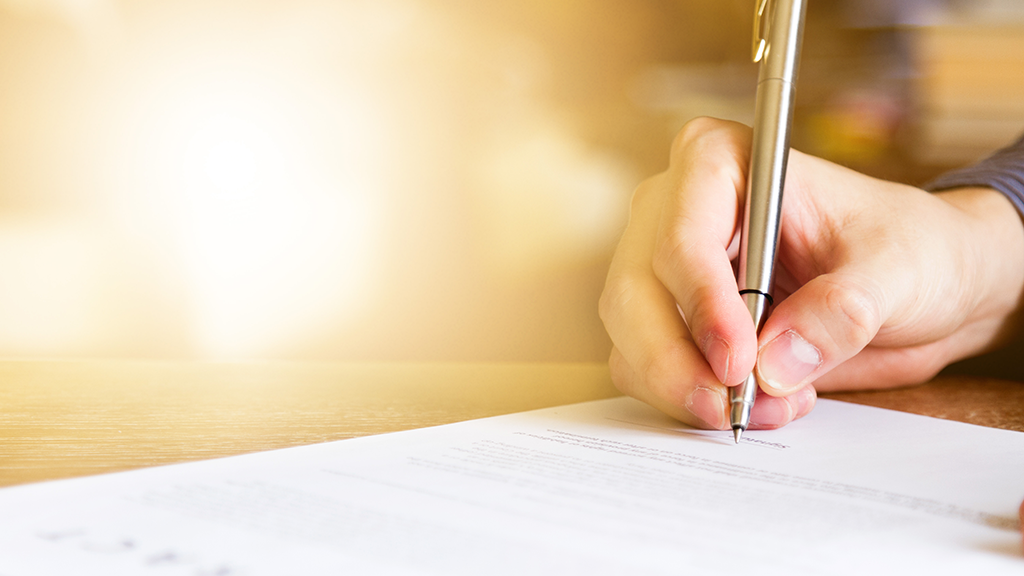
x=698, y=224
x=655, y=359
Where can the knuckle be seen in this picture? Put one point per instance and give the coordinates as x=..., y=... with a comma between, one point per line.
x=620, y=292
x=656, y=372
x=693, y=131
x=680, y=243
x=653, y=374
x=677, y=264
x=640, y=195
x=668, y=252
x=858, y=312
x=645, y=202
x=703, y=132
x=620, y=371
x=616, y=294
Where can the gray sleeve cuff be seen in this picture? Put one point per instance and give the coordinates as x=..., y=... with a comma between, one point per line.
x=1002, y=171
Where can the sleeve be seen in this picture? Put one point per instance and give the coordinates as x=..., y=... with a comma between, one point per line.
x=1003, y=171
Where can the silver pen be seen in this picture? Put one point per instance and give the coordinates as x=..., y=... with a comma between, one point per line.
x=778, y=34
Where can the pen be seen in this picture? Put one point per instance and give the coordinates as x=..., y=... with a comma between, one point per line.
x=778, y=34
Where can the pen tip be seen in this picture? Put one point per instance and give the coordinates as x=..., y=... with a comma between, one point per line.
x=737, y=432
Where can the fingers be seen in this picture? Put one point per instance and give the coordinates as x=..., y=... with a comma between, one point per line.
x=821, y=325
x=700, y=404
x=675, y=257
x=879, y=284
x=704, y=406
x=860, y=273
x=847, y=270
x=770, y=412
x=681, y=226
x=654, y=358
x=697, y=226
x=877, y=366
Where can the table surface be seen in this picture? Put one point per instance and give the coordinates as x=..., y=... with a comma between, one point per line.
x=63, y=419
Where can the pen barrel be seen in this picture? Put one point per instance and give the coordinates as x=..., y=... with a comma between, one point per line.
x=769, y=156
x=785, y=36
x=741, y=398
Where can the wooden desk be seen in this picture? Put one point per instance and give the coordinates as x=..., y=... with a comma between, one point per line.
x=65, y=419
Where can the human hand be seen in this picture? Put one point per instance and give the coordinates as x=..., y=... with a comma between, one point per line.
x=877, y=284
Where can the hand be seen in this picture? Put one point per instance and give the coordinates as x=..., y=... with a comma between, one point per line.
x=877, y=285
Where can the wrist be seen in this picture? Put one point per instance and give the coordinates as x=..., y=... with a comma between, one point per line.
x=995, y=245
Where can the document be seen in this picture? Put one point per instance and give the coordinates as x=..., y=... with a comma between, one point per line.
x=605, y=487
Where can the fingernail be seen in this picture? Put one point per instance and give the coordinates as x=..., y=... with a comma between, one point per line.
x=708, y=405
x=770, y=412
x=806, y=399
x=784, y=362
x=716, y=352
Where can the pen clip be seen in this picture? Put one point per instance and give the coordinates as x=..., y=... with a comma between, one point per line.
x=762, y=23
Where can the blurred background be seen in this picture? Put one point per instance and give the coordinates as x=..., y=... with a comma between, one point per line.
x=413, y=179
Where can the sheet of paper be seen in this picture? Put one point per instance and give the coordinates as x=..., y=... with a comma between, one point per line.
x=606, y=487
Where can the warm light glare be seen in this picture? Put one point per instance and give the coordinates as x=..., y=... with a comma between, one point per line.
x=227, y=162
x=297, y=179
x=51, y=271
x=547, y=199
x=276, y=247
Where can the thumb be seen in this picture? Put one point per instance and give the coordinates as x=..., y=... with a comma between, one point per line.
x=824, y=323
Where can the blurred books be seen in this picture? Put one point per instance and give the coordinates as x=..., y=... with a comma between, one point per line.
x=970, y=89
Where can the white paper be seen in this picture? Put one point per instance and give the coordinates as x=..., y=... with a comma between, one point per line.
x=606, y=487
